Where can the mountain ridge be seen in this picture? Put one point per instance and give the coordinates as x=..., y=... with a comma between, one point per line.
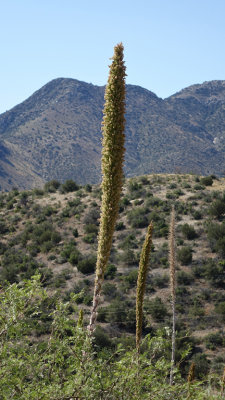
x=56, y=133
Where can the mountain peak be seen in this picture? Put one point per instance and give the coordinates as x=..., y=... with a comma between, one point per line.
x=207, y=92
x=56, y=133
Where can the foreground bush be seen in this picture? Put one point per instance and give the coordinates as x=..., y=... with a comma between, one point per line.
x=65, y=365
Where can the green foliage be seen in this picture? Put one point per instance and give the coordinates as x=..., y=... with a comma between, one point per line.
x=109, y=290
x=17, y=265
x=110, y=272
x=69, y=186
x=156, y=309
x=138, y=218
x=3, y=227
x=119, y=314
x=202, y=366
x=90, y=238
x=71, y=253
x=75, y=232
x=197, y=214
x=160, y=281
x=214, y=340
x=131, y=278
x=189, y=232
x=44, y=236
x=184, y=255
x=51, y=186
x=87, y=265
x=120, y=226
x=129, y=242
x=66, y=365
x=92, y=217
x=183, y=278
x=206, y=181
x=216, y=236
x=198, y=187
x=214, y=272
x=91, y=228
x=128, y=257
x=220, y=309
x=217, y=208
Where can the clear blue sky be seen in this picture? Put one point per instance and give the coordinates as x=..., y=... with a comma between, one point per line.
x=169, y=44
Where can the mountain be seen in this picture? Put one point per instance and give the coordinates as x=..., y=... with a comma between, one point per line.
x=56, y=133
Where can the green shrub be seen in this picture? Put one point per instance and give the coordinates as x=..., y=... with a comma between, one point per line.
x=128, y=257
x=216, y=235
x=129, y=242
x=214, y=340
x=91, y=228
x=220, y=309
x=3, y=248
x=160, y=281
x=131, y=278
x=88, y=188
x=110, y=271
x=38, y=192
x=92, y=217
x=184, y=255
x=101, y=339
x=75, y=233
x=74, y=257
x=125, y=201
x=206, y=181
x=133, y=185
x=198, y=187
x=202, y=366
x=3, y=227
x=70, y=253
x=214, y=272
x=90, y=238
x=51, y=186
x=197, y=309
x=183, y=278
x=109, y=290
x=217, y=208
x=17, y=266
x=120, y=314
x=189, y=232
x=138, y=217
x=157, y=309
x=197, y=214
x=69, y=186
x=87, y=265
x=120, y=226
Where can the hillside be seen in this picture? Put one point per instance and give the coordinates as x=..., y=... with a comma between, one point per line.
x=55, y=230
x=56, y=133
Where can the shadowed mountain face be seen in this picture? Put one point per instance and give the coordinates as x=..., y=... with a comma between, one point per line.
x=56, y=133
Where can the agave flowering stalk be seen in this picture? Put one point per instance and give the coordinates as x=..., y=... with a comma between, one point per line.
x=172, y=262
x=141, y=283
x=113, y=126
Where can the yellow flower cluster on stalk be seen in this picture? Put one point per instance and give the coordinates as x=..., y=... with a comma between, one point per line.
x=141, y=283
x=113, y=126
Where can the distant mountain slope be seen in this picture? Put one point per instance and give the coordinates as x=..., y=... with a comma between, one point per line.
x=56, y=133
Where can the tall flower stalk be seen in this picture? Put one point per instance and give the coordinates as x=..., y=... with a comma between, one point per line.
x=172, y=262
x=113, y=126
x=141, y=283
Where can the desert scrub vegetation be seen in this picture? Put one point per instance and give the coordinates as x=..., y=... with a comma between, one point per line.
x=21, y=234
x=46, y=350
x=69, y=364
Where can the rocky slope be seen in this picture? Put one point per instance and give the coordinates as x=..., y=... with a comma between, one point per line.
x=56, y=133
